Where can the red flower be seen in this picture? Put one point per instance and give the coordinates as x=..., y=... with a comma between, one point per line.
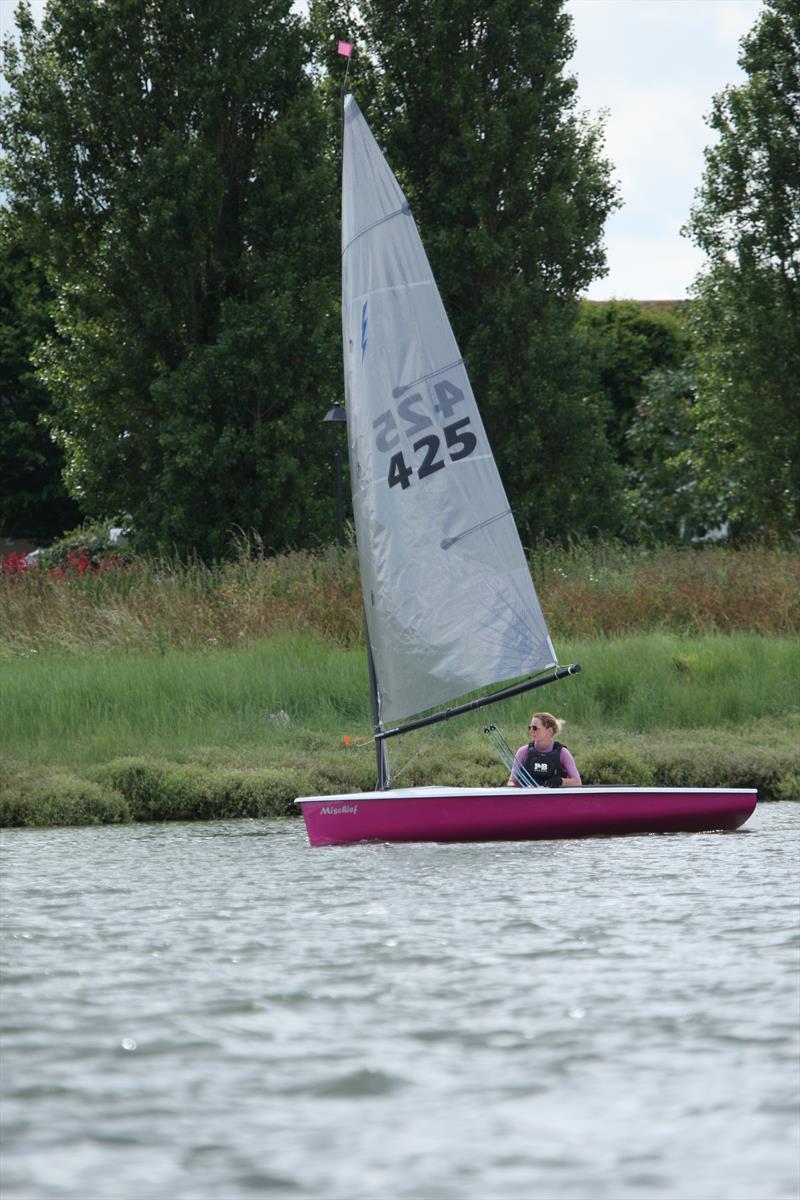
x=13, y=564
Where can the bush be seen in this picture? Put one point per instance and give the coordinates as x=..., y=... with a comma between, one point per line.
x=56, y=798
x=619, y=767
x=90, y=543
x=138, y=780
x=189, y=792
x=262, y=793
x=712, y=766
x=788, y=788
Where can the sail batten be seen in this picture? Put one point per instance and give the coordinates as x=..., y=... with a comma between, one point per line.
x=401, y=212
x=450, y=605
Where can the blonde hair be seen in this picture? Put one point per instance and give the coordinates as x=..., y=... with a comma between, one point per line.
x=549, y=721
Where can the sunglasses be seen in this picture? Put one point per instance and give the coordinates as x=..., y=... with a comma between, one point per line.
x=536, y=728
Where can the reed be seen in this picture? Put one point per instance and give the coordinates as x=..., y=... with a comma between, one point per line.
x=649, y=682
x=585, y=590
x=610, y=589
x=80, y=709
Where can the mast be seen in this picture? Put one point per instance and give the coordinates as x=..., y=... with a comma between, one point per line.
x=380, y=747
x=382, y=768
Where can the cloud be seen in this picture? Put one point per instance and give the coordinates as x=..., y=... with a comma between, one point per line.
x=655, y=66
x=647, y=266
x=728, y=16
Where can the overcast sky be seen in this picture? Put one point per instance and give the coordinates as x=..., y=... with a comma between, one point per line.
x=654, y=65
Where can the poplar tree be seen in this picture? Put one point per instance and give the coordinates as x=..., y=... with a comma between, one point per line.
x=33, y=501
x=168, y=162
x=472, y=102
x=746, y=311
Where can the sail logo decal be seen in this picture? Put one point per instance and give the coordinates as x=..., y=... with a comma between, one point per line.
x=330, y=810
x=364, y=330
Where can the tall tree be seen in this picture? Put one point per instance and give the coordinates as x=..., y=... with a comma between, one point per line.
x=664, y=501
x=474, y=107
x=746, y=312
x=33, y=500
x=623, y=342
x=168, y=160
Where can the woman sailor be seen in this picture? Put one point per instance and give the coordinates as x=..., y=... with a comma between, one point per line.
x=544, y=759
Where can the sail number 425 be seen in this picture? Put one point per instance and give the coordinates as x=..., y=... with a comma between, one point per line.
x=459, y=440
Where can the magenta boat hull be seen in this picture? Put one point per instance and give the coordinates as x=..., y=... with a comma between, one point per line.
x=520, y=814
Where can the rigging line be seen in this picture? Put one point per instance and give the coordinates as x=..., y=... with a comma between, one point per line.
x=405, y=211
x=499, y=737
x=521, y=774
x=395, y=775
x=508, y=757
x=499, y=750
x=425, y=745
x=501, y=747
x=509, y=764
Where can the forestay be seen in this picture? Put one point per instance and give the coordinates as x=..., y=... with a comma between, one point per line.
x=450, y=604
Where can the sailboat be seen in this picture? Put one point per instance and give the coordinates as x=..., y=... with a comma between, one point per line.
x=450, y=606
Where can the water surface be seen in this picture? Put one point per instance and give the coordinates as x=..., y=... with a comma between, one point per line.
x=217, y=1010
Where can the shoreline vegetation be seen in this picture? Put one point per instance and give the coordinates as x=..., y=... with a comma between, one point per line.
x=166, y=691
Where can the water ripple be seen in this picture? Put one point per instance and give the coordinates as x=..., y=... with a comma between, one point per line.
x=220, y=1011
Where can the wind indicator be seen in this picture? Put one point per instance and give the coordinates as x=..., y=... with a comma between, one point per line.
x=346, y=51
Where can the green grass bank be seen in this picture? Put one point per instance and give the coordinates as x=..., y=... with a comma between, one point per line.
x=163, y=690
x=92, y=734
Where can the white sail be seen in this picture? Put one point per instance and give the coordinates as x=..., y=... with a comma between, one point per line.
x=450, y=604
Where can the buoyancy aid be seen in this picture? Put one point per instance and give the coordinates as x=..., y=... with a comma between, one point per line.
x=545, y=766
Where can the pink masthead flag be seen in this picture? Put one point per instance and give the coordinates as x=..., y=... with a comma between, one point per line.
x=345, y=48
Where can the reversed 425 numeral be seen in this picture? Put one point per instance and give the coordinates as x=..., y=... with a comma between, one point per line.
x=460, y=443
